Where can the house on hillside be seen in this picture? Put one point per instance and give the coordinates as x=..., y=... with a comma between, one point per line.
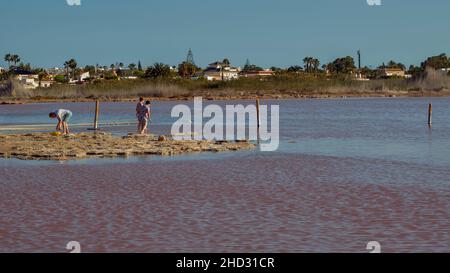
x=83, y=76
x=2, y=70
x=219, y=72
x=27, y=79
x=47, y=81
x=393, y=72
x=56, y=71
x=30, y=80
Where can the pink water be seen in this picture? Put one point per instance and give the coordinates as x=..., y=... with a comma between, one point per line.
x=293, y=204
x=341, y=178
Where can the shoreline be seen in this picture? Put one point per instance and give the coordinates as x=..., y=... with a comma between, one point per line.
x=279, y=96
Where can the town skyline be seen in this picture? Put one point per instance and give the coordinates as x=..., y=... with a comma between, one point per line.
x=121, y=65
x=163, y=32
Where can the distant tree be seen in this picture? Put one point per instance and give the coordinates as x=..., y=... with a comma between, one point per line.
x=42, y=74
x=247, y=64
x=157, y=71
x=367, y=72
x=26, y=66
x=8, y=59
x=344, y=65
x=91, y=69
x=3, y=76
x=132, y=66
x=311, y=64
x=254, y=68
x=139, y=66
x=12, y=58
x=110, y=75
x=393, y=64
x=437, y=62
x=226, y=62
x=251, y=67
x=415, y=70
x=190, y=57
x=15, y=59
x=315, y=64
x=307, y=63
x=70, y=66
x=138, y=73
x=187, y=69
x=61, y=79
x=295, y=69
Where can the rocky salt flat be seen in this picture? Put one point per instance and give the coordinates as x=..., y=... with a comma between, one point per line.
x=44, y=146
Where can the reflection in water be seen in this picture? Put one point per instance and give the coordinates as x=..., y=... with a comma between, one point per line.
x=348, y=172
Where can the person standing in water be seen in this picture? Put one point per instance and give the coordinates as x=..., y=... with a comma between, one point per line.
x=63, y=117
x=140, y=115
x=147, y=118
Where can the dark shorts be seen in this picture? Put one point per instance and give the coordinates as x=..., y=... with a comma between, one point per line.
x=143, y=120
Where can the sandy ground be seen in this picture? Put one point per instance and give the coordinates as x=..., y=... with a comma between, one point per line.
x=44, y=146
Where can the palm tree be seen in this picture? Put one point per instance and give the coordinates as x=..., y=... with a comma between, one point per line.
x=15, y=59
x=158, y=70
x=187, y=70
x=41, y=75
x=8, y=59
x=315, y=64
x=308, y=63
x=70, y=65
x=132, y=66
x=226, y=62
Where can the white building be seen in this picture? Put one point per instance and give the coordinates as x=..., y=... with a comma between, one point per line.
x=46, y=83
x=84, y=76
x=394, y=72
x=56, y=71
x=220, y=72
x=2, y=70
x=28, y=81
x=81, y=78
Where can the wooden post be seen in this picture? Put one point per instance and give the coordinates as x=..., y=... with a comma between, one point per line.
x=97, y=109
x=257, y=113
x=430, y=114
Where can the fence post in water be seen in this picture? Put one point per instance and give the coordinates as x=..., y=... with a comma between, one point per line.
x=257, y=114
x=97, y=109
x=430, y=114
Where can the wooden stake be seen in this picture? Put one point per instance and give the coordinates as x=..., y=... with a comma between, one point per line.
x=257, y=113
x=97, y=109
x=430, y=114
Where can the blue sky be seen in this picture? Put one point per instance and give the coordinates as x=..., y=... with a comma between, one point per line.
x=268, y=32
